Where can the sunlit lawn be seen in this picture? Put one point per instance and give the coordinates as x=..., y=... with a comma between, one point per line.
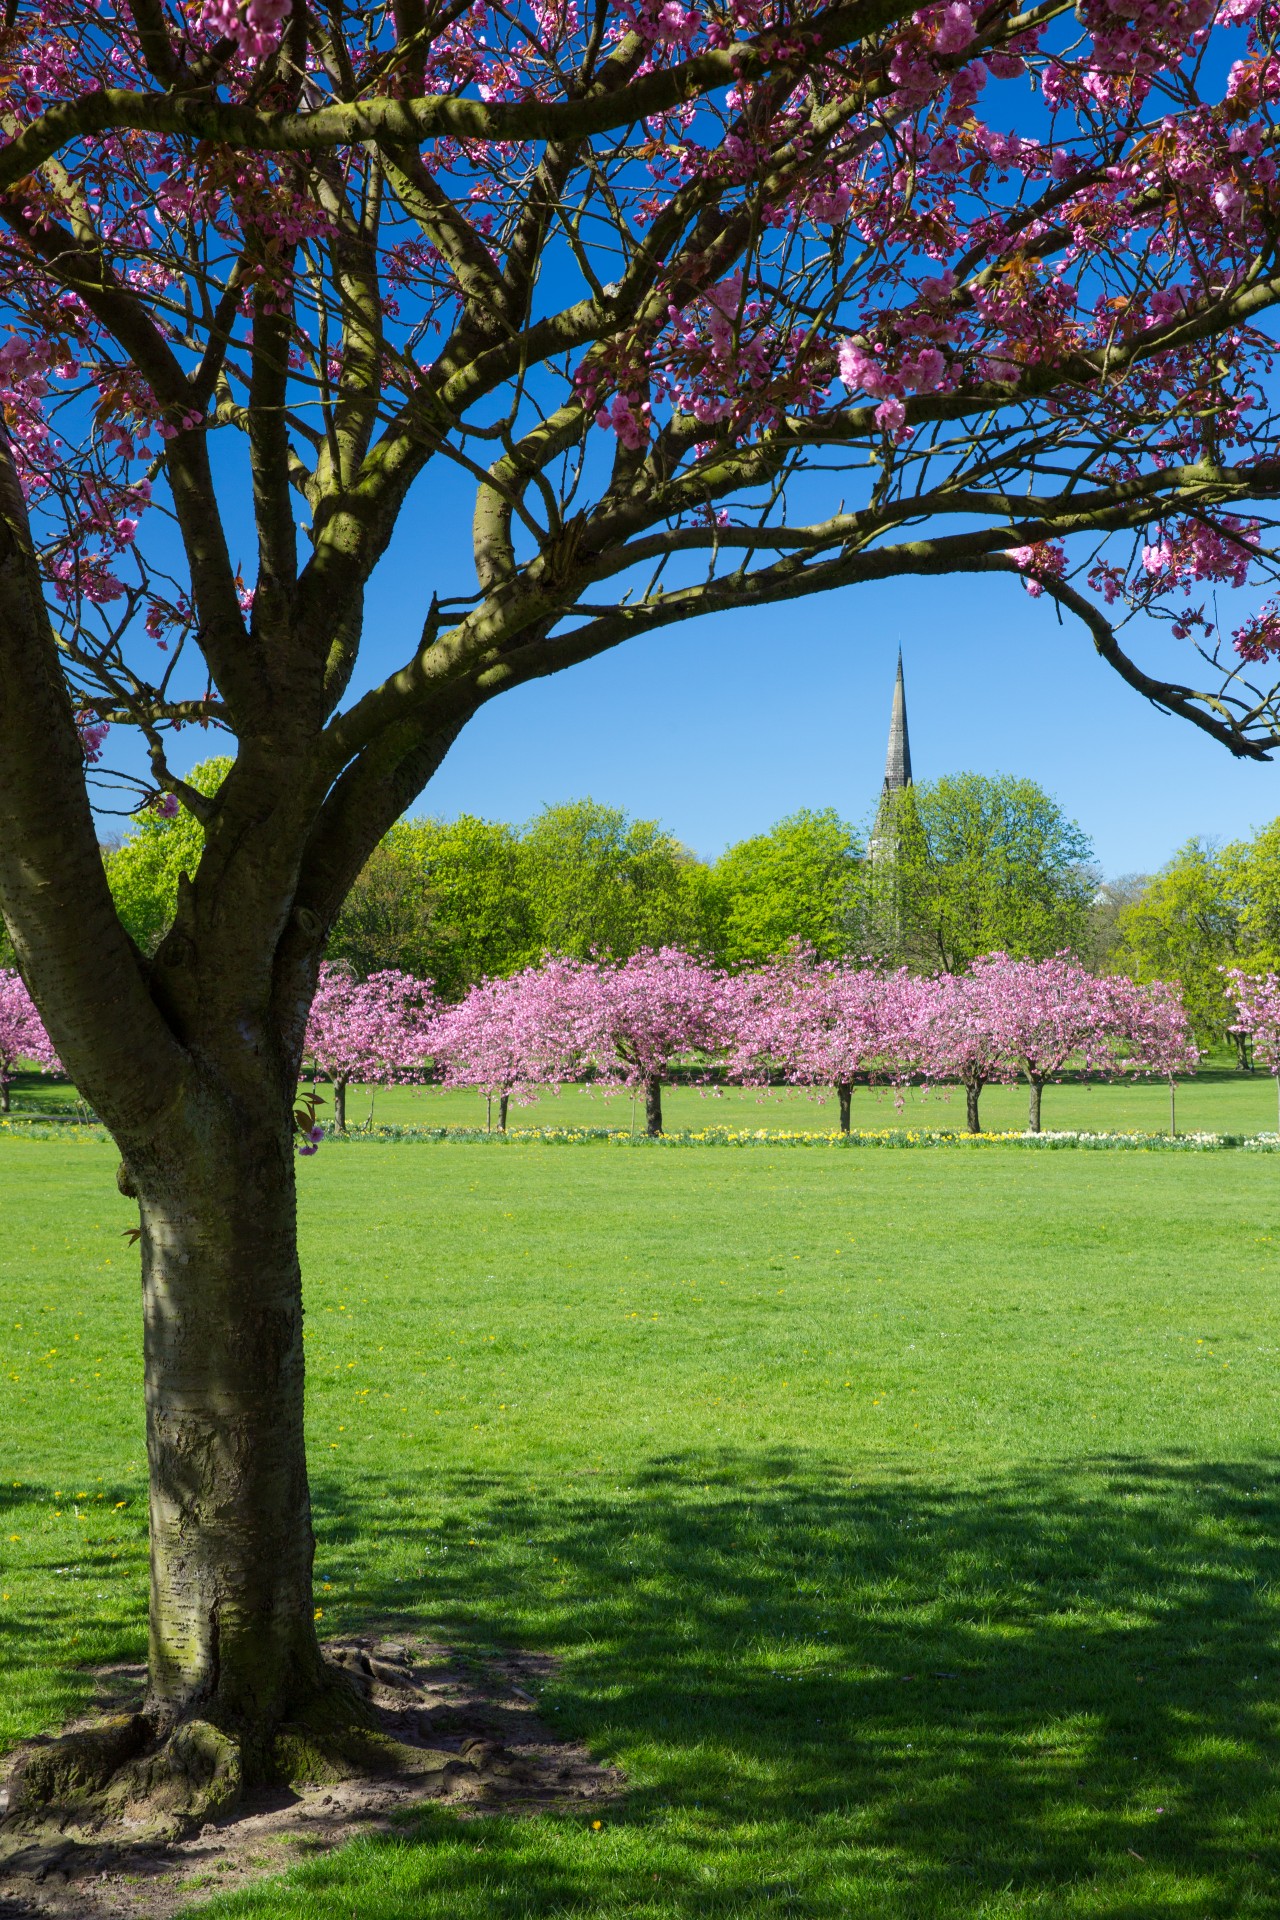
x=907, y=1525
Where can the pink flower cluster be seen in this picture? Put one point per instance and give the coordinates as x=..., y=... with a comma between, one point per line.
x=372, y=1030
x=22, y=1034
x=630, y=1024
x=1257, y=1001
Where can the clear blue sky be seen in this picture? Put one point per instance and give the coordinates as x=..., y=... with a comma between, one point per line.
x=720, y=727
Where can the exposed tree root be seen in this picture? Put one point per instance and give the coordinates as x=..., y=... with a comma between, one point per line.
x=415, y=1704
x=130, y=1773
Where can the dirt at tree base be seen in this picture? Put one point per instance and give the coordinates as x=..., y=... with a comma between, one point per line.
x=423, y=1695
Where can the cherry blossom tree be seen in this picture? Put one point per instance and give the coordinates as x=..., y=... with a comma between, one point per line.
x=1257, y=1003
x=966, y=1031
x=1152, y=1033
x=514, y=1035
x=631, y=1023
x=22, y=1034
x=822, y=1025
x=1058, y=1011
x=375, y=1030
x=713, y=305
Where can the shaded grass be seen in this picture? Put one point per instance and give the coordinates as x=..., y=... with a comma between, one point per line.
x=908, y=1527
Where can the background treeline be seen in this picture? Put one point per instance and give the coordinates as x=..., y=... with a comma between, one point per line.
x=957, y=867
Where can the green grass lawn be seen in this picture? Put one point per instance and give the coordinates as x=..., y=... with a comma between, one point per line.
x=907, y=1525
x=1218, y=1100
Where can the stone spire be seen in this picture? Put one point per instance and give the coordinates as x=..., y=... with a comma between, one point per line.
x=897, y=763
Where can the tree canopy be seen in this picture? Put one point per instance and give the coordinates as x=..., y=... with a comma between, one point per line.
x=970, y=864
x=801, y=881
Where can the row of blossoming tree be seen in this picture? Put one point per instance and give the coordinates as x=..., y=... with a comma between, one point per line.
x=635, y=1024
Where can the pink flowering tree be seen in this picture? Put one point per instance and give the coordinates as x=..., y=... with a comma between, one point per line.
x=714, y=304
x=375, y=1030
x=1058, y=1012
x=1152, y=1034
x=1257, y=1002
x=629, y=1024
x=966, y=1031
x=22, y=1034
x=513, y=1036
x=821, y=1026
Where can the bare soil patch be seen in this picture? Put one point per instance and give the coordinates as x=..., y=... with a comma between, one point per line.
x=423, y=1695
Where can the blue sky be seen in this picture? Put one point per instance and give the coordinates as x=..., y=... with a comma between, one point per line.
x=720, y=727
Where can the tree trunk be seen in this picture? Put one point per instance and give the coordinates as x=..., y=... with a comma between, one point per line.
x=504, y=1101
x=1173, y=1109
x=233, y=1636
x=340, y=1106
x=845, y=1092
x=4, y=1092
x=1033, y=1113
x=972, y=1089
x=653, y=1106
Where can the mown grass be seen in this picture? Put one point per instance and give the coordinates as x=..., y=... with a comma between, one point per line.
x=907, y=1527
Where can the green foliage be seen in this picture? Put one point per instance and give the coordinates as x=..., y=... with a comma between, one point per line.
x=597, y=880
x=441, y=899
x=905, y=1530
x=1185, y=926
x=970, y=864
x=1251, y=880
x=143, y=871
x=800, y=881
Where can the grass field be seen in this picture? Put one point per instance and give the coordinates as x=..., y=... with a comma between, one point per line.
x=1218, y=1100
x=907, y=1526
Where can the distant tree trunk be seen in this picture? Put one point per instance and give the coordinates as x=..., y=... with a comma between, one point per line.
x=340, y=1105
x=504, y=1101
x=1033, y=1114
x=972, y=1090
x=845, y=1091
x=653, y=1106
x=1244, y=1052
x=4, y=1091
x=1173, y=1108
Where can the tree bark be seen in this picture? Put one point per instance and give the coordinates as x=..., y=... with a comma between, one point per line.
x=504, y=1101
x=972, y=1090
x=340, y=1106
x=4, y=1093
x=845, y=1091
x=232, y=1630
x=653, y=1106
x=1033, y=1114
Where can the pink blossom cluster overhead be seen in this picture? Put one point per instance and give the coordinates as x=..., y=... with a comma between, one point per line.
x=953, y=212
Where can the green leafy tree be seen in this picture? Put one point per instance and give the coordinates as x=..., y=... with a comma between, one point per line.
x=801, y=881
x=1185, y=926
x=971, y=864
x=143, y=872
x=599, y=881
x=1251, y=878
x=440, y=898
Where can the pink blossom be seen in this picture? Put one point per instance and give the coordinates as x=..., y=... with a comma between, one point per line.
x=956, y=30
x=22, y=1034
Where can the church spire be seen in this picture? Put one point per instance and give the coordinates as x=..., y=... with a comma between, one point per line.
x=897, y=763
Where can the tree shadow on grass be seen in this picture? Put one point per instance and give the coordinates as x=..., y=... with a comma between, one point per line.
x=1053, y=1693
